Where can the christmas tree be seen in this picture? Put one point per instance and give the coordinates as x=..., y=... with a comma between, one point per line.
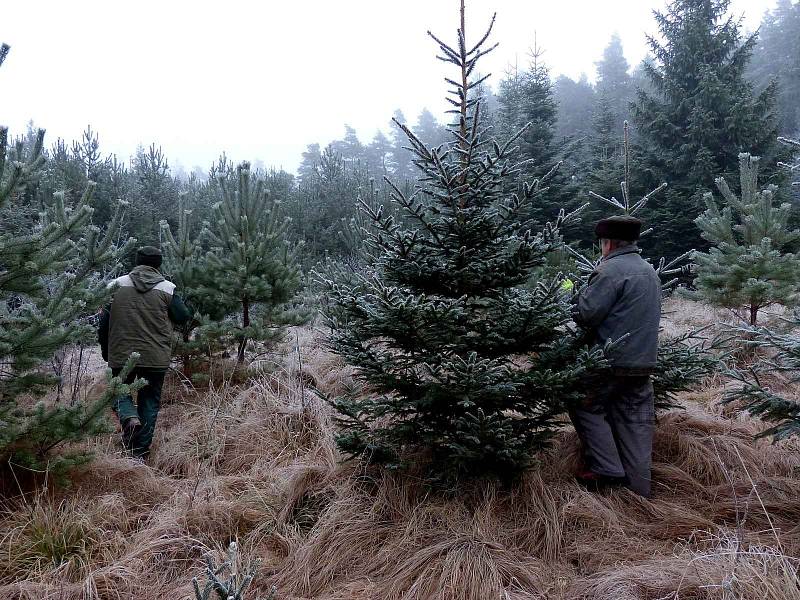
x=48, y=290
x=699, y=114
x=526, y=102
x=748, y=267
x=603, y=166
x=776, y=57
x=461, y=360
x=183, y=264
x=324, y=199
x=250, y=273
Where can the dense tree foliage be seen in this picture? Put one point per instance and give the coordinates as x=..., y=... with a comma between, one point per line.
x=614, y=85
x=700, y=113
x=241, y=273
x=49, y=290
x=776, y=58
x=526, y=101
x=701, y=101
x=706, y=94
x=436, y=327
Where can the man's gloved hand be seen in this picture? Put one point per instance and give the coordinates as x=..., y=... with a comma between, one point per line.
x=575, y=312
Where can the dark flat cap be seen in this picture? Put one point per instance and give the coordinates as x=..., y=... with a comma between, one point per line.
x=149, y=251
x=149, y=256
x=622, y=227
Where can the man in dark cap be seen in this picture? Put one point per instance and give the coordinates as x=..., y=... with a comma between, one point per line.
x=140, y=319
x=622, y=305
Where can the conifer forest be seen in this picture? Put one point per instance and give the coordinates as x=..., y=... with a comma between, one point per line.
x=406, y=369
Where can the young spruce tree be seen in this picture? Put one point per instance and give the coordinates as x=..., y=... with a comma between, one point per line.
x=748, y=266
x=460, y=359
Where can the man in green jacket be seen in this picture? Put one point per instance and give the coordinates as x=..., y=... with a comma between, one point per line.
x=140, y=319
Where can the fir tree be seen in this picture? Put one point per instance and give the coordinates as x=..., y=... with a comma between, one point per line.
x=605, y=166
x=526, y=101
x=614, y=83
x=777, y=57
x=250, y=272
x=324, y=200
x=435, y=329
x=309, y=162
x=350, y=147
x=48, y=290
x=378, y=154
x=575, y=101
x=701, y=113
x=748, y=267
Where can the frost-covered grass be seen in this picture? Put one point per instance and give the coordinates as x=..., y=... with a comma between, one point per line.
x=257, y=464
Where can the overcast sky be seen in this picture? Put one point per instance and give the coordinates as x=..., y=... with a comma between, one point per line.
x=263, y=79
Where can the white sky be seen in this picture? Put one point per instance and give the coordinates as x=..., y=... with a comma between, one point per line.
x=262, y=79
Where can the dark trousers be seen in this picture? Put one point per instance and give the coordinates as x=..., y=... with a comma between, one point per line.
x=148, y=403
x=616, y=426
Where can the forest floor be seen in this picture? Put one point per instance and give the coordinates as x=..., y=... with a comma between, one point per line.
x=258, y=464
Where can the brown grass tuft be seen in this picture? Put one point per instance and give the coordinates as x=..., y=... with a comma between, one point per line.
x=258, y=465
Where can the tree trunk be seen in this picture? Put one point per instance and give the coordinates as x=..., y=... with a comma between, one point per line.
x=753, y=315
x=245, y=324
x=463, y=108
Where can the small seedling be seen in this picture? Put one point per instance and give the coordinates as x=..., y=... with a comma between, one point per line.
x=231, y=586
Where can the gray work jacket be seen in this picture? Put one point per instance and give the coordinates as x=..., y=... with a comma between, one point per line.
x=622, y=301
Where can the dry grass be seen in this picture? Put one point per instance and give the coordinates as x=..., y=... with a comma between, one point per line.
x=258, y=465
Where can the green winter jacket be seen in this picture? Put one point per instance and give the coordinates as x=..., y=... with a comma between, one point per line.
x=143, y=309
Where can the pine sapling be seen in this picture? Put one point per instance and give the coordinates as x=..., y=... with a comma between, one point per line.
x=749, y=266
x=243, y=286
x=49, y=289
x=754, y=392
x=227, y=581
